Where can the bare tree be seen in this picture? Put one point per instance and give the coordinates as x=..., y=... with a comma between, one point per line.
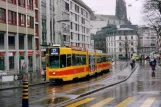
x=152, y=11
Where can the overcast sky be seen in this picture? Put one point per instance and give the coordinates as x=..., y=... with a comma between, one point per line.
x=108, y=7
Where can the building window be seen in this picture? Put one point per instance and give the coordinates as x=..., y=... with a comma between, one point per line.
x=86, y=14
x=43, y=24
x=132, y=43
x=83, y=20
x=2, y=15
x=12, y=18
x=120, y=38
x=120, y=49
x=132, y=49
x=67, y=6
x=36, y=15
x=11, y=41
x=78, y=36
x=30, y=4
x=2, y=64
x=81, y=11
x=22, y=20
x=30, y=22
x=71, y=5
x=76, y=27
x=44, y=38
x=36, y=3
x=71, y=35
x=131, y=37
x=1, y=39
x=77, y=8
x=21, y=3
x=36, y=30
x=76, y=17
x=11, y=62
x=12, y=1
x=71, y=25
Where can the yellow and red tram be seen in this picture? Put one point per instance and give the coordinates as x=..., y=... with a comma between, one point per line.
x=66, y=64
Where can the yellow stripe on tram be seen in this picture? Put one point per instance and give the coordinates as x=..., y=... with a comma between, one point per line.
x=125, y=102
x=80, y=102
x=148, y=102
x=103, y=102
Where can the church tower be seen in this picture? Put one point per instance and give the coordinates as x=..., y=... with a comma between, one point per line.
x=121, y=12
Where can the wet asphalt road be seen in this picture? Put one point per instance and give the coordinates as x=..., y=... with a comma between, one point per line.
x=44, y=94
x=140, y=90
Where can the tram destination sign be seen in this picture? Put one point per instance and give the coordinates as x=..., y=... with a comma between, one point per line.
x=54, y=51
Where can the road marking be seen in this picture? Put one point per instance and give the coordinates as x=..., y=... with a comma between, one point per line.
x=80, y=102
x=148, y=102
x=103, y=102
x=125, y=102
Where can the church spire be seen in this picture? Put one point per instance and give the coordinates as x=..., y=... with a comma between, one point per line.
x=121, y=11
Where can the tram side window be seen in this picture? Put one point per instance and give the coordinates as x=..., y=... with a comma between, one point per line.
x=74, y=60
x=62, y=61
x=68, y=60
x=104, y=59
x=84, y=59
x=99, y=59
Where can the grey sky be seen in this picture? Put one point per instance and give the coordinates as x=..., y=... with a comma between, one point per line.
x=108, y=7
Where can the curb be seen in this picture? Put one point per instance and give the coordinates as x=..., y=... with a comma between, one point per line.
x=96, y=90
x=21, y=86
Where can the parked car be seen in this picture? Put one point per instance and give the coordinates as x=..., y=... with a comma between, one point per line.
x=2, y=73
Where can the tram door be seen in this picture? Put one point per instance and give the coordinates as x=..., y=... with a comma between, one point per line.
x=91, y=63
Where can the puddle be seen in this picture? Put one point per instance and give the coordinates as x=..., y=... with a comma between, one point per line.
x=83, y=90
x=55, y=100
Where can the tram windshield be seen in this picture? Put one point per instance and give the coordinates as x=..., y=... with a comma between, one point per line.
x=54, y=61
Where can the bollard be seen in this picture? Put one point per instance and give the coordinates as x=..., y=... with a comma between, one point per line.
x=25, y=102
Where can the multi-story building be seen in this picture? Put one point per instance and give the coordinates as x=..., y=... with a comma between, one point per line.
x=67, y=23
x=80, y=24
x=120, y=18
x=147, y=40
x=19, y=35
x=122, y=42
x=99, y=21
x=100, y=37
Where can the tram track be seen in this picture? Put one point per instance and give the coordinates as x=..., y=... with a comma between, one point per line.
x=70, y=87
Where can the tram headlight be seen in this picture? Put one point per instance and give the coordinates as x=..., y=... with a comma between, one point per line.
x=53, y=72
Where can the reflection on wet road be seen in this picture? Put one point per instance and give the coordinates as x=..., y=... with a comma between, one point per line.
x=45, y=95
x=141, y=90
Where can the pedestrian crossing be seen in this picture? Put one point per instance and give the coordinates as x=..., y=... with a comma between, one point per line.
x=92, y=102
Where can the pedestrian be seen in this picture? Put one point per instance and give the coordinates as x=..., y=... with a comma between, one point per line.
x=132, y=64
x=153, y=63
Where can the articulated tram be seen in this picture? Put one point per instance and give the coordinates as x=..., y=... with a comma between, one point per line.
x=67, y=64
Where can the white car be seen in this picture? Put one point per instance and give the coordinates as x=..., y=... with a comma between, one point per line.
x=2, y=73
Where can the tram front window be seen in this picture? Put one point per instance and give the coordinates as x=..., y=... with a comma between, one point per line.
x=54, y=61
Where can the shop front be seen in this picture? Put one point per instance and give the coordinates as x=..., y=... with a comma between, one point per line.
x=11, y=56
x=30, y=61
x=21, y=61
x=37, y=60
x=2, y=61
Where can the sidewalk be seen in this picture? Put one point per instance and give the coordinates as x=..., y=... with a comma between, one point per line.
x=33, y=80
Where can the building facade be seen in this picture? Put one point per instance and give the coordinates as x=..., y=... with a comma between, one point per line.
x=147, y=40
x=120, y=18
x=19, y=35
x=100, y=21
x=80, y=24
x=121, y=42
